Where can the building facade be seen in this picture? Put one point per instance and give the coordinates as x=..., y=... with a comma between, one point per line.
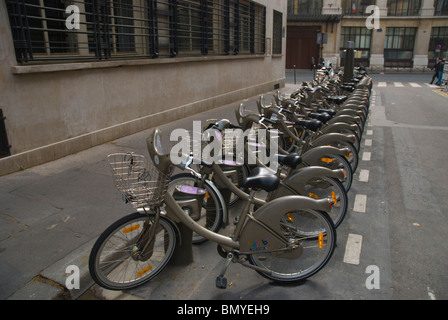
x=79, y=73
x=411, y=33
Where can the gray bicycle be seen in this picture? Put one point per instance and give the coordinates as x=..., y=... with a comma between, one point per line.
x=288, y=239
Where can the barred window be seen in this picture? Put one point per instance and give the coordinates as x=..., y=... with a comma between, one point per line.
x=302, y=7
x=278, y=33
x=438, y=45
x=403, y=7
x=135, y=28
x=399, y=43
x=356, y=7
x=361, y=38
x=441, y=8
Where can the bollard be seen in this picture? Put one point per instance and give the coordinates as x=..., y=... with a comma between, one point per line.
x=349, y=62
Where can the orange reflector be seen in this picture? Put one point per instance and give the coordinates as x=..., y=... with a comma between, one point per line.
x=207, y=195
x=333, y=196
x=290, y=217
x=321, y=240
x=130, y=229
x=312, y=195
x=144, y=271
x=326, y=160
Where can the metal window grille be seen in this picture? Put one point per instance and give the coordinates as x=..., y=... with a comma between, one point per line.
x=404, y=8
x=399, y=44
x=135, y=28
x=356, y=7
x=438, y=44
x=303, y=7
x=441, y=8
x=278, y=33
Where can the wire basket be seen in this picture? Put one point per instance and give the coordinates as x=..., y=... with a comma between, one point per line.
x=140, y=182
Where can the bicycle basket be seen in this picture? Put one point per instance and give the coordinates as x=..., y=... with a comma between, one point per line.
x=141, y=183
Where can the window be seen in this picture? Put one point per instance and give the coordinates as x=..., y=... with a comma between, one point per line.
x=399, y=43
x=403, y=7
x=190, y=21
x=136, y=28
x=356, y=7
x=441, y=8
x=361, y=38
x=301, y=7
x=438, y=45
x=278, y=33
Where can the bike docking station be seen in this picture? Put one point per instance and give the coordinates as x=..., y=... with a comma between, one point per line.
x=190, y=199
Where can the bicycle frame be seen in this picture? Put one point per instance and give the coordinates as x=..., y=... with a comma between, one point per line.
x=251, y=227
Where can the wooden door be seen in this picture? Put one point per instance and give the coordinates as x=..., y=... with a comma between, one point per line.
x=301, y=46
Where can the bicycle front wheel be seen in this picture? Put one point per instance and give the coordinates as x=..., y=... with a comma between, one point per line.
x=124, y=257
x=314, y=236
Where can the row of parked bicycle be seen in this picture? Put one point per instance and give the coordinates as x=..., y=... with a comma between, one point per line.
x=291, y=182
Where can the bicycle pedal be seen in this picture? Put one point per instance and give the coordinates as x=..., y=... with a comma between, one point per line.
x=221, y=282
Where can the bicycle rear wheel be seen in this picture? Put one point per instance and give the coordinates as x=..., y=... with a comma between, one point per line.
x=312, y=251
x=117, y=260
x=325, y=187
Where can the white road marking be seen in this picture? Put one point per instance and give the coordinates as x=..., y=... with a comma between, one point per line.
x=366, y=156
x=360, y=204
x=398, y=85
x=368, y=142
x=364, y=176
x=415, y=85
x=353, y=249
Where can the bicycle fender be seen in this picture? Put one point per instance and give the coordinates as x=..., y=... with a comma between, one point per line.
x=313, y=157
x=300, y=178
x=263, y=231
x=338, y=126
x=346, y=114
x=329, y=138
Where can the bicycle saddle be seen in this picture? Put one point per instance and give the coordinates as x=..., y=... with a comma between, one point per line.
x=312, y=124
x=322, y=117
x=331, y=112
x=337, y=99
x=261, y=178
x=291, y=160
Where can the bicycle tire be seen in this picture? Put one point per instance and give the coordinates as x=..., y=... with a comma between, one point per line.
x=212, y=213
x=115, y=269
x=307, y=263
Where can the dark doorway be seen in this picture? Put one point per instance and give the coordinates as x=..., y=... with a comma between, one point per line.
x=4, y=145
x=301, y=46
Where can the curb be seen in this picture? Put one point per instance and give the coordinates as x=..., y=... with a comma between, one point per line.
x=50, y=283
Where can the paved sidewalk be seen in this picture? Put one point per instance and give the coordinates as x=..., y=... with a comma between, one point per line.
x=51, y=215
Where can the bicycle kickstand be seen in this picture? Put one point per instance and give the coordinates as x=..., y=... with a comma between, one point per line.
x=221, y=281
